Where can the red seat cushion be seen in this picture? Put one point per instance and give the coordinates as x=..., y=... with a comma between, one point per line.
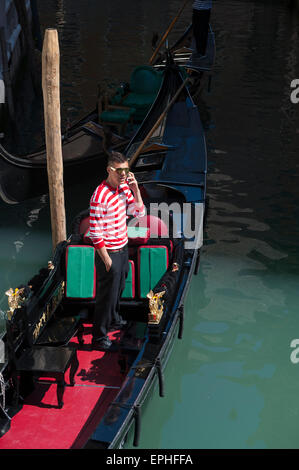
x=157, y=228
x=84, y=225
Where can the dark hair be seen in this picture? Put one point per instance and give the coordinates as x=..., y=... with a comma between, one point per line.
x=116, y=157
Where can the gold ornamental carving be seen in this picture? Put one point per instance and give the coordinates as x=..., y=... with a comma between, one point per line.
x=155, y=306
x=15, y=300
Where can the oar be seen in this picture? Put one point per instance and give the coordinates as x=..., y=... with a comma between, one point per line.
x=141, y=146
x=167, y=32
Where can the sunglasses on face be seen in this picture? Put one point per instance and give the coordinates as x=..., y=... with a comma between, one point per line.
x=119, y=171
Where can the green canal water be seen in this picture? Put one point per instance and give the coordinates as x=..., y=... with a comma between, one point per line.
x=230, y=382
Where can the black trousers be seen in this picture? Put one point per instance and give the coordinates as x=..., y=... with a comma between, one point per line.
x=200, y=21
x=110, y=286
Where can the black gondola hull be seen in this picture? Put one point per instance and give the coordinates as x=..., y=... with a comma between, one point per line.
x=180, y=179
x=23, y=178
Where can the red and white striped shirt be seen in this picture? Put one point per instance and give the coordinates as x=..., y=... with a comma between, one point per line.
x=108, y=214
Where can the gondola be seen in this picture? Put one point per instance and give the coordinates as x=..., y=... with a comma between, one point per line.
x=48, y=328
x=83, y=144
x=183, y=51
x=83, y=149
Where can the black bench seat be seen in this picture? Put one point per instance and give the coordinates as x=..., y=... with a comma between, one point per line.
x=50, y=362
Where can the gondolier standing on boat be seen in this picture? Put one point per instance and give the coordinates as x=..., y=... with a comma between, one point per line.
x=109, y=205
x=200, y=20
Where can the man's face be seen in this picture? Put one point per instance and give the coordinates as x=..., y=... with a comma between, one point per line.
x=117, y=173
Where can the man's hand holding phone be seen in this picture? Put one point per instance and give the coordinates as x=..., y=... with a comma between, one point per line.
x=131, y=180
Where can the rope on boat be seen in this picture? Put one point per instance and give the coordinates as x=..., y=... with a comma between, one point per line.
x=157, y=364
x=2, y=392
x=160, y=377
x=2, y=389
x=181, y=319
x=137, y=418
x=137, y=408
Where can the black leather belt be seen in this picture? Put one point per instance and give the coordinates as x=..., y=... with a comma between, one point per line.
x=117, y=251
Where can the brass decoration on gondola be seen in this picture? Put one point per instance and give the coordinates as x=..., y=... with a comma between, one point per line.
x=49, y=310
x=155, y=306
x=50, y=265
x=175, y=267
x=15, y=300
x=140, y=371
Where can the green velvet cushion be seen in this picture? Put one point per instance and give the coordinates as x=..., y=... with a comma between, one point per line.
x=139, y=100
x=144, y=86
x=80, y=272
x=129, y=290
x=153, y=263
x=146, y=79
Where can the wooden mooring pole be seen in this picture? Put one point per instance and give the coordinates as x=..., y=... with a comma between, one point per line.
x=51, y=94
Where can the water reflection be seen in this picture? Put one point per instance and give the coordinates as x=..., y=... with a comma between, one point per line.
x=24, y=240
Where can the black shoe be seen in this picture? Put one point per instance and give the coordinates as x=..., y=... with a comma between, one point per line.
x=118, y=325
x=104, y=344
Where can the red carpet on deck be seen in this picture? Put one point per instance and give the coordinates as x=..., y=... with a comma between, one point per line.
x=41, y=425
